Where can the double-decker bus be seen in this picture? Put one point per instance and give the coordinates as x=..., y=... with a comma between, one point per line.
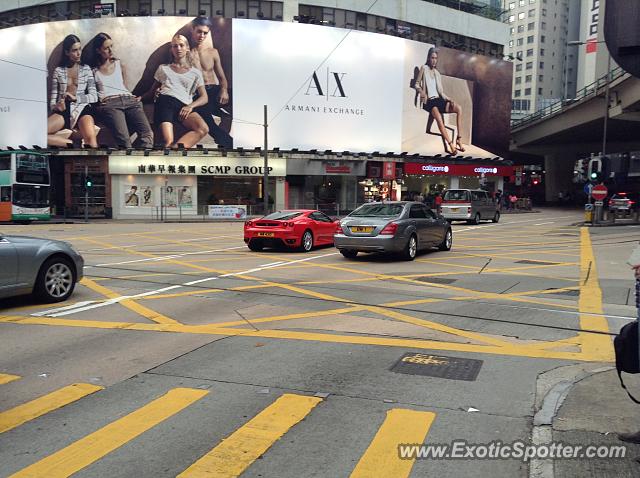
x=24, y=186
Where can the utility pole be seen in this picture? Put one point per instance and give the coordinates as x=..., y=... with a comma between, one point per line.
x=265, y=179
x=86, y=192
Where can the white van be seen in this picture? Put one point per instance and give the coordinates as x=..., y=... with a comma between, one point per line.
x=471, y=205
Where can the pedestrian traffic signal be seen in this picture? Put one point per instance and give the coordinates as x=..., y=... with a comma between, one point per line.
x=88, y=182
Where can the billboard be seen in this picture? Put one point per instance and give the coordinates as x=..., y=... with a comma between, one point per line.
x=324, y=88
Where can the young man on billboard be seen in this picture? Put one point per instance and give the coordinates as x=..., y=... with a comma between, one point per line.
x=206, y=58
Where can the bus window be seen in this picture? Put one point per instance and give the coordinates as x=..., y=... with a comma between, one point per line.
x=5, y=163
x=5, y=193
x=30, y=196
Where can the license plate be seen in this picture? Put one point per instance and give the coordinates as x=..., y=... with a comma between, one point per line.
x=454, y=209
x=266, y=234
x=361, y=228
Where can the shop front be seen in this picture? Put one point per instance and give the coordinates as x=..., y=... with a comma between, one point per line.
x=383, y=182
x=161, y=186
x=427, y=179
x=329, y=185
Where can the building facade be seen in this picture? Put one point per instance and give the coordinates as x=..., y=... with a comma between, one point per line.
x=545, y=68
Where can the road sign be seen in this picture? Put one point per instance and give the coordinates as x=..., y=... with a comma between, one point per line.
x=598, y=203
x=587, y=188
x=599, y=192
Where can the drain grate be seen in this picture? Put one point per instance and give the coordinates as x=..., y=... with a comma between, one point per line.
x=436, y=280
x=572, y=293
x=440, y=366
x=541, y=263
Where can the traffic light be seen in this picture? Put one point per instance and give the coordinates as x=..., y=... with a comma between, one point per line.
x=88, y=182
x=595, y=170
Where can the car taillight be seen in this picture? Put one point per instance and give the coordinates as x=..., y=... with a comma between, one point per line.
x=288, y=224
x=468, y=210
x=631, y=202
x=610, y=202
x=338, y=228
x=390, y=229
x=248, y=224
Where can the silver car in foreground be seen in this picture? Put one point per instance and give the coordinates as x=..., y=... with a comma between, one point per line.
x=46, y=268
x=402, y=227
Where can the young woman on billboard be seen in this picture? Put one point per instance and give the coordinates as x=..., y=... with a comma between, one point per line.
x=174, y=88
x=121, y=112
x=436, y=102
x=73, y=90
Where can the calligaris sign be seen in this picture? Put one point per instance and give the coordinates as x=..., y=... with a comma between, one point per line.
x=199, y=166
x=457, y=169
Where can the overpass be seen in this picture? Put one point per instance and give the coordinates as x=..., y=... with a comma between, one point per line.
x=565, y=130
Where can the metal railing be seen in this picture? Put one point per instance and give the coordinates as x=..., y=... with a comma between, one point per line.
x=559, y=105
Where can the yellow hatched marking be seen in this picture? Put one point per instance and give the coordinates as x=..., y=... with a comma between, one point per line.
x=300, y=315
x=15, y=417
x=236, y=453
x=7, y=377
x=128, y=303
x=87, y=450
x=514, y=350
x=381, y=458
x=589, y=303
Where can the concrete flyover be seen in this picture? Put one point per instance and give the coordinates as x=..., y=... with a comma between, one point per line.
x=575, y=127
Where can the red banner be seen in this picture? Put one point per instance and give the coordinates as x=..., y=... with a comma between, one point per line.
x=429, y=169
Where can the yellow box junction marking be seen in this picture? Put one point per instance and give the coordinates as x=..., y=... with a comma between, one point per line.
x=7, y=377
x=28, y=411
x=128, y=303
x=381, y=458
x=87, y=450
x=236, y=453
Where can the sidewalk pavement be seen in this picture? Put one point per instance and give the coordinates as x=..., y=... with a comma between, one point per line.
x=594, y=410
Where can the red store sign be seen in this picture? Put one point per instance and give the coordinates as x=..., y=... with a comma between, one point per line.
x=427, y=169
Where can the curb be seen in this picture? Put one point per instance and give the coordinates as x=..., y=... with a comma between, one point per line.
x=542, y=431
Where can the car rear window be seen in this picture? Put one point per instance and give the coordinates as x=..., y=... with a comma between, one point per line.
x=456, y=195
x=282, y=215
x=382, y=210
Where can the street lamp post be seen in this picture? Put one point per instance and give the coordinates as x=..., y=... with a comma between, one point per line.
x=606, y=91
x=599, y=209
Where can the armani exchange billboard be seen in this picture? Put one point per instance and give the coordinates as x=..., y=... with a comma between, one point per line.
x=147, y=81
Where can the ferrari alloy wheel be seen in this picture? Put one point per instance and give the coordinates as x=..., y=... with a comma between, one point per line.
x=306, y=244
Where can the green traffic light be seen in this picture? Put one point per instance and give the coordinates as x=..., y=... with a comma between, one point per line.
x=89, y=182
x=594, y=175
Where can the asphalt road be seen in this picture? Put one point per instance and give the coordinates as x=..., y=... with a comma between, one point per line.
x=184, y=353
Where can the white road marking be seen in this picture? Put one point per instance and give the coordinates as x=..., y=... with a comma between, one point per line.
x=89, y=305
x=543, y=223
x=163, y=258
x=115, y=300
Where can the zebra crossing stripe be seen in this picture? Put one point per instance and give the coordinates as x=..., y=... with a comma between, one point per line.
x=381, y=458
x=35, y=408
x=237, y=452
x=7, y=377
x=87, y=450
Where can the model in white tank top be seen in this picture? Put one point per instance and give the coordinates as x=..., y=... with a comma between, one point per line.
x=111, y=85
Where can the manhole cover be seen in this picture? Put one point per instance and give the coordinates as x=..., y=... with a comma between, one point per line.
x=572, y=293
x=437, y=280
x=453, y=368
x=541, y=263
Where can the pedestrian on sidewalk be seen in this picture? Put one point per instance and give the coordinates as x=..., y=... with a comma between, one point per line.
x=634, y=262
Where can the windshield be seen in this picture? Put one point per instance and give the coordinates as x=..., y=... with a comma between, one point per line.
x=30, y=196
x=456, y=195
x=382, y=210
x=282, y=215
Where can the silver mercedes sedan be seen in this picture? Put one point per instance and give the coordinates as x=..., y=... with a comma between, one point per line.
x=403, y=227
x=46, y=268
